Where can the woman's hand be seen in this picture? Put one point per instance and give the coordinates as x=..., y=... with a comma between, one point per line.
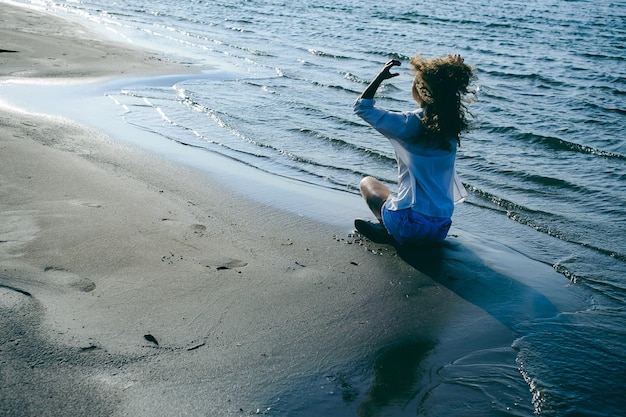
x=383, y=75
x=386, y=73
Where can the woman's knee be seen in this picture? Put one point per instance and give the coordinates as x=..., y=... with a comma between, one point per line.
x=367, y=185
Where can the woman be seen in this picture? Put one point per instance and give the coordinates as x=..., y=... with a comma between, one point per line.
x=425, y=142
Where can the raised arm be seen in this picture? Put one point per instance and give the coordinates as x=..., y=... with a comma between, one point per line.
x=383, y=75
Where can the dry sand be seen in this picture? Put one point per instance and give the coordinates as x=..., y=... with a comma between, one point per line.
x=37, y=45
x=133, y=286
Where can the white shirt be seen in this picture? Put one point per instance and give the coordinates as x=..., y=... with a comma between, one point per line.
x=427, y=181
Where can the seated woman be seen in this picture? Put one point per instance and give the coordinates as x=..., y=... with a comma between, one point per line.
x=425, y=141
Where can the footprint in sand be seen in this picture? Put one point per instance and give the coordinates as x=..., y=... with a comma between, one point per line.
x=60, y=276
x=223, y=263
x=91, y=205
x=199, y=229
x=196, y=228
x=88, y=204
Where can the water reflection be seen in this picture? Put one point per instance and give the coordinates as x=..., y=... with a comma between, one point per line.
x=397, y=373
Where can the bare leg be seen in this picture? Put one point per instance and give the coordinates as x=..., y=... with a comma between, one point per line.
x=375, y=193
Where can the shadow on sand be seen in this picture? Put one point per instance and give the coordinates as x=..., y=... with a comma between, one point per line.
x=459, y=269
x=391, y=378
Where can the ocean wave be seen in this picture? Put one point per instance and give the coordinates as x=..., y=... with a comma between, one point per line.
x=325, y=54
x=535, y=77
x=549, y=223
x=551, y=142
x=360, y=151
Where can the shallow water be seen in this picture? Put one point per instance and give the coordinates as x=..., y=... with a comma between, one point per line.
x=545, y=166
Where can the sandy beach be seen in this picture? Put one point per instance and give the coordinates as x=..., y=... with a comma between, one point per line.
x=133, y=286
x=39, y=45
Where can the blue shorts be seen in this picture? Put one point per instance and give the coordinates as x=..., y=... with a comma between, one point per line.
x=408, y=226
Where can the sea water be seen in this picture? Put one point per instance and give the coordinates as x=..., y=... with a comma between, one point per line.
x=545, y=165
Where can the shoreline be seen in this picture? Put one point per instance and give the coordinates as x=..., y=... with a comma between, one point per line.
x=96, y=110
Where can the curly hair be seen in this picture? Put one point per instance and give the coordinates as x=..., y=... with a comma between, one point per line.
x=442, y=84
